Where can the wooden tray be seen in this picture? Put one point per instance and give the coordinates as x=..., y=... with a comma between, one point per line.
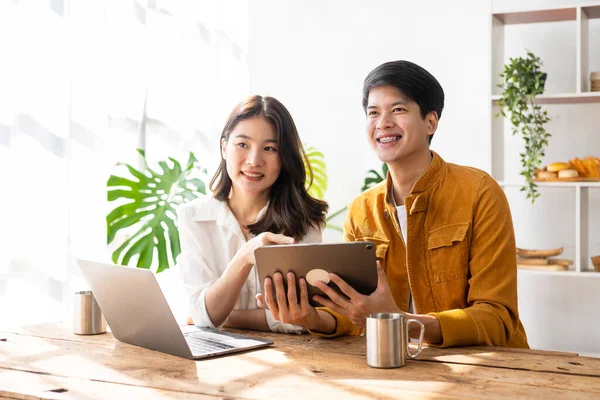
x=544, y=267
x=576, y=179
x=532, y=261
x=539, y=253
x=544, y=261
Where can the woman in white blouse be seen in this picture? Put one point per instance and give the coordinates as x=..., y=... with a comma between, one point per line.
x=259, y=198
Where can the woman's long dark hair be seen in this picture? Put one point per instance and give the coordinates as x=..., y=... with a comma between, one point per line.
x=292, y=211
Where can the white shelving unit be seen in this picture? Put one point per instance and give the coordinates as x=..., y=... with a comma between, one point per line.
x=576, y=92
x=581, y=215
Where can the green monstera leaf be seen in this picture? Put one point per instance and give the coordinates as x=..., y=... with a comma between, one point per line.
x=316, y=160
x=149, y=199
x=373, y=177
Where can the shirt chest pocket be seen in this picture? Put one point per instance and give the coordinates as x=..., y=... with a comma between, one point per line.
x=448, y=252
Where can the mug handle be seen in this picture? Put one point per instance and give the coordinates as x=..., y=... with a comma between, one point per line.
x=420, y=338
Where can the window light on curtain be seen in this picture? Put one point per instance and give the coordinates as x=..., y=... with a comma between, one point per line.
x=86, y=83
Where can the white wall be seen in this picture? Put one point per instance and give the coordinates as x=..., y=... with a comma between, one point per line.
x=314, y=55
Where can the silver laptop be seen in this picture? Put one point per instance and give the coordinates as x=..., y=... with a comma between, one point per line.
x=138, y=313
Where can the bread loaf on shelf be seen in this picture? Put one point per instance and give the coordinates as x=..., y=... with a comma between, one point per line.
x=543, y=174
x=557, y=166
x=567, y=173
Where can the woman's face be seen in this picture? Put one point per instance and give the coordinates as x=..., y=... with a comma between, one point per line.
x=252, y=156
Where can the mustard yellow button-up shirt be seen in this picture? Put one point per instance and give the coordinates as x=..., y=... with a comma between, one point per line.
x=459, y=259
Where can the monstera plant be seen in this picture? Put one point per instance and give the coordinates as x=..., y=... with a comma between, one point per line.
x=318, y=186
x=147, y=206
x=147, y=211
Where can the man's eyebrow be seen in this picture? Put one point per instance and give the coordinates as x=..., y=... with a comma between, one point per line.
x=242, y=136
x=396, y=103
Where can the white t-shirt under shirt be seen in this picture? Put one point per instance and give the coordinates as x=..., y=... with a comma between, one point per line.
x=401, y=212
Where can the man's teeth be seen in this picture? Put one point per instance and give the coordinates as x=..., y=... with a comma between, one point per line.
x=389, y=139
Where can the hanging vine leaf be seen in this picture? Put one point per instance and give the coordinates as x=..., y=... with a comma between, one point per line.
x=523, y=80
x=151, y=198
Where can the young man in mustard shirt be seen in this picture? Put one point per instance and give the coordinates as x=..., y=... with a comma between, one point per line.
x=443, y=233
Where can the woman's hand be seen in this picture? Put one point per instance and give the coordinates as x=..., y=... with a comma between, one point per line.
x=246, y=252
x=287, y=308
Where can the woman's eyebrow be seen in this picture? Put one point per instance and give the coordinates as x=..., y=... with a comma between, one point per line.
x=242, y=136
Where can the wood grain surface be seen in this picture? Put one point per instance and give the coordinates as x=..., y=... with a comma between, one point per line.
x=36, y=361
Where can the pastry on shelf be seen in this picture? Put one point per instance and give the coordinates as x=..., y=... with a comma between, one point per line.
x=567, y=173
x=557, y=166
x=588, y=167
x=543, y=175
x=596, y=263
x=585, y=169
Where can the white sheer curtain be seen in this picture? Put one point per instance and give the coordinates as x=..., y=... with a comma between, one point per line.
x=76, y=81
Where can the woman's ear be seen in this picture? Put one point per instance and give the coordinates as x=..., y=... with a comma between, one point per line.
x=223, y=146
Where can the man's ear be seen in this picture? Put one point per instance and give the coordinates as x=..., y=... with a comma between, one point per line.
x=223, y=146
x=432, y=122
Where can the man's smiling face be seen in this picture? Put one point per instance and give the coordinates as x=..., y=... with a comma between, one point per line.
x=396, y=130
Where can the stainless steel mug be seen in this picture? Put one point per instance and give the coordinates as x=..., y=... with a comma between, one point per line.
x=387, y=340
x=87, y=316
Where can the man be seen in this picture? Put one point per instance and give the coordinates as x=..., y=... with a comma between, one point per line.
x=444, y=235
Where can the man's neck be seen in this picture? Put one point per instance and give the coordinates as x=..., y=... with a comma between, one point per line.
x=246, y=207
x=406, y=172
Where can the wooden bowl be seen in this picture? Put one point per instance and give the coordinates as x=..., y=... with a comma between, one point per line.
x=596, y=262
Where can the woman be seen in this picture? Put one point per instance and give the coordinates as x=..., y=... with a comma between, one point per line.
x=259, y=198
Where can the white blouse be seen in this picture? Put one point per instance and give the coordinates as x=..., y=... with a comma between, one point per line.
x=210, y=236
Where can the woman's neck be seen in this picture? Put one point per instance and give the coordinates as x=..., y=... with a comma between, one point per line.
x=245, y=208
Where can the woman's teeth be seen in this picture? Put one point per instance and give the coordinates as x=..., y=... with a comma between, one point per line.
x=252, y=175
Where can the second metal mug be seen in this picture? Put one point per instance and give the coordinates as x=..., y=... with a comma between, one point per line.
x=387, y=340
x=87, y=316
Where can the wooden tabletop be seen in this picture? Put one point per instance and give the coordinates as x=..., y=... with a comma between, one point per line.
x=49, y=362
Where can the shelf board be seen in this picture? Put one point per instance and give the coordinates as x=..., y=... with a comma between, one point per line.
x=556, y=14
x=562, y=98
x=552, y=184
x=584, y=274
x=592, y=12
x=530, y=17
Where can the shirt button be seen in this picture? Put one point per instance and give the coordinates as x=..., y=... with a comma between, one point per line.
x=386, y=214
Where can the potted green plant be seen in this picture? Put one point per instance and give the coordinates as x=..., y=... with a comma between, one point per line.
x=372, y=178
x=147, y=201
x=523, y=80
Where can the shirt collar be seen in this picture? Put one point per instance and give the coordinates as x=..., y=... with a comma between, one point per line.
x=419, y=194
x=216, y=210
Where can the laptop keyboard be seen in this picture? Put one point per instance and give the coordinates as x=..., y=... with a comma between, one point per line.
x=204, y=346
